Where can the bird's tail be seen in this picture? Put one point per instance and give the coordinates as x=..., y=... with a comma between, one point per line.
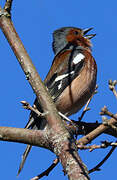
x=34, y=123
x=24, y=156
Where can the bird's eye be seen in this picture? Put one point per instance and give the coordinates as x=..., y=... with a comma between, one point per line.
x=76, y=32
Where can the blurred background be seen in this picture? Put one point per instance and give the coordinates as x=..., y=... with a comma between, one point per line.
x=35, y=22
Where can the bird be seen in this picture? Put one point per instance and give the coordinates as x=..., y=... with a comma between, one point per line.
x=72, y=77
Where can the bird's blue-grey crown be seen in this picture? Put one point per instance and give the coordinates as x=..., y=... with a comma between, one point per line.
x=59, y=39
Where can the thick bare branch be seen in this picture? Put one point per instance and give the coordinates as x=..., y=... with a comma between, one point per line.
x=32, y=75
x=20, y=135
x=95, y=133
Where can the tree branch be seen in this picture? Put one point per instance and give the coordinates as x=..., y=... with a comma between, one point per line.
x=83, y=128
x=47, y=171
x=97, y=167
x=95, y=133
x=112, y=85
x=32, y=75
x=20, y=135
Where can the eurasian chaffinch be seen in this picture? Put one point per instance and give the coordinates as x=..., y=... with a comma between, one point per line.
x=72, y=76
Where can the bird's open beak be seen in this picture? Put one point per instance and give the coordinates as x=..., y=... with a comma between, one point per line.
x=89, y=36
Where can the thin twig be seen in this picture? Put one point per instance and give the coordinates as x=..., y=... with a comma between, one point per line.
x=26, y=105
x=65, y=117
x=106, y=123
x=97, y=167
x=72, y=122
x=86, y=108
x=104, y=111
x=33, y=108
x=105, y=144
x=112, y=85
x=47, y=171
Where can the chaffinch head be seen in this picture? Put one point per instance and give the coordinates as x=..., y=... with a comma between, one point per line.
x=71, y=79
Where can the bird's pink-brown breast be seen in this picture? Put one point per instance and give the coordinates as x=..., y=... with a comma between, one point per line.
x=75, y=96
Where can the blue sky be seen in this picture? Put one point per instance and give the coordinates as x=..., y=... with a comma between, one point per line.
x=35, y=23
